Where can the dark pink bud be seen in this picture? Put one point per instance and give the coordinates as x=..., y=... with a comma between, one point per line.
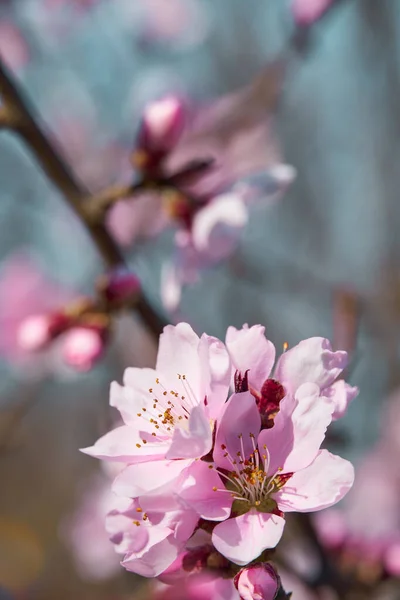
x=119, y=286
x=268, y=402
x=34, y=333
x=258, y=582
x=307, y=12
x=82, y=347
x=162, y=125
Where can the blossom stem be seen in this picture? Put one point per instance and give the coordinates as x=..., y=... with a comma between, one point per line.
x=18, y=116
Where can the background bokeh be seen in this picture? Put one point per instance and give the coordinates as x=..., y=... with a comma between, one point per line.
x=89, y=67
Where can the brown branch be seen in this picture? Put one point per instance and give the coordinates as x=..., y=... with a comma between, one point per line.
x=26, y=123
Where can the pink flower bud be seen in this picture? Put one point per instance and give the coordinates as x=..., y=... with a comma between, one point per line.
x=307, y=12
x=119, y=286
x=162, y=125
x=83, y=347
x=259, y=582
x=34, y=333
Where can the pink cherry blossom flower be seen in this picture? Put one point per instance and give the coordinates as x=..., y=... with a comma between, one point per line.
x=169, y=412
x=268, y=471
x=257, y=582
x=312, y=361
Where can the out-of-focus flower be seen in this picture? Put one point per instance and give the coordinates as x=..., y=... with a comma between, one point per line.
x=82, y=347
x=365, y=536
x=13, y=48
x=26, y=297
x=164, y=410
x=202, y=180
x=307, y=12
x=85, y=534
x=257, y=582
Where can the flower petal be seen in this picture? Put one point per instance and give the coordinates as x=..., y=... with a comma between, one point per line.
x=299, y=430
x=216, y=369
x=323, y=483
x=249, y=349
x=311, y=361
x=243, y=538
x=125, y=444
x=239, y=425
x=198, y=492
x=340, y=394
x=135, y=394
x=178, y=354
x=143, y=478
x=160, y=551
x=217, y=226
x=194, y=442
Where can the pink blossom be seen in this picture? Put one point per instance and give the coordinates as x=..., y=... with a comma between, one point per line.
x=207, y=209
x=168, y=412
x=257, y=582
x=85, y=533
x=34, y=333
x=307, y=12
x=25, y=294
x=312, y=361
x=268, y=472
x=82, y=347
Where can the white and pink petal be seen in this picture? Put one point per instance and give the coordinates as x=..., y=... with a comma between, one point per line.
x=244, y=538
x=322, y=484
x=311, y=361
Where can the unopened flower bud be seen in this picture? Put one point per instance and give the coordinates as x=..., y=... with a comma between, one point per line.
x=34, y=333
x=119, y=286
x=162, y=126
x=307, y=12
x=258, y=582
x=82, y=347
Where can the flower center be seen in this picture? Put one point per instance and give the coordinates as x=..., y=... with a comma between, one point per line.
x=248, y=481
x=167, y=409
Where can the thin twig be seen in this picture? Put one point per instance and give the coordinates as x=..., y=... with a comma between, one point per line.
x=74, y=192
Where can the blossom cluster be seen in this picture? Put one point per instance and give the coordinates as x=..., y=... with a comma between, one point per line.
x=217, y=445
x=194, y=187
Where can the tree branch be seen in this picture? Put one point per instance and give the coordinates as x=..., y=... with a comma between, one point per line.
x=26, y=124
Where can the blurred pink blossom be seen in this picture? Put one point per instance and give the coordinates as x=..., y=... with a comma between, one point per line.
x=85, y=533
x=82, y=347
x=25, y=291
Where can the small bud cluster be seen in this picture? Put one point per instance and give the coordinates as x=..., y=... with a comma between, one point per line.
x=83, y=326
